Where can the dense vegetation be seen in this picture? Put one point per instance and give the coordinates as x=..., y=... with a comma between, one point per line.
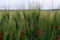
x=29, y=25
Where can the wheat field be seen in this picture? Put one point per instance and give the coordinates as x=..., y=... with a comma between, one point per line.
x=29, y=24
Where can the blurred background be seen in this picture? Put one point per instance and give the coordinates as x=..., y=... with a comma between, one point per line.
x=29, y=4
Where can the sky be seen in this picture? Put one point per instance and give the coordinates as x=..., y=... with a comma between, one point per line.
x=19, y=4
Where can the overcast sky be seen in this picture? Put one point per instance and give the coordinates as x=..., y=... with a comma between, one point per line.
x=19, y=4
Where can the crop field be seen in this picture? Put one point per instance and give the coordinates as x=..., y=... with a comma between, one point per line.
x=29, y=24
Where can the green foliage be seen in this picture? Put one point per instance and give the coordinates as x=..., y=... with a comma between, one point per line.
x=33, y=26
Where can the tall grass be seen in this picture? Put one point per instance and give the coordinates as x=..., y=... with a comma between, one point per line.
x=33, y=26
